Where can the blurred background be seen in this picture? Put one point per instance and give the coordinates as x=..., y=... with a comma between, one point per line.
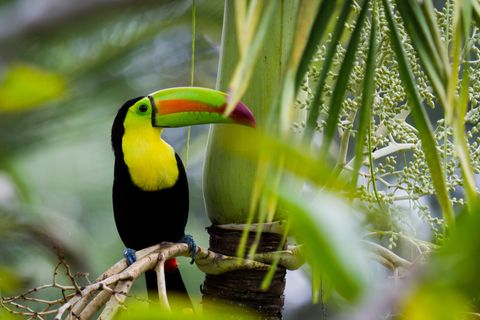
x=65, y=69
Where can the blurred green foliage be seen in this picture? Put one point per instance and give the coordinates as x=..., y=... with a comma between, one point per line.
x=325, y=221
x=26, y=86
x=9, y=281
x=140, y=311
x=450, y=288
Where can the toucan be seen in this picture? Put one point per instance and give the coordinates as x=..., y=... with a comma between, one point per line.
x=150, y=188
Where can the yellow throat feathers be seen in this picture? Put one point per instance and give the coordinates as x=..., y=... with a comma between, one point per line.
x=150, y=160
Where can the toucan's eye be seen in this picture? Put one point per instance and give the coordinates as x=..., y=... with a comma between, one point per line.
x=143, y=108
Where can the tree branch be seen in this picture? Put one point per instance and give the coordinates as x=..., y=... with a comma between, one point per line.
x=112, y=287
x=116, y=300
x=387, y=257
x=120, y=277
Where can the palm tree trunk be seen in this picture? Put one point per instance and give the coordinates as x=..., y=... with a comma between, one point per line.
x=228, y=178
x=242, y=288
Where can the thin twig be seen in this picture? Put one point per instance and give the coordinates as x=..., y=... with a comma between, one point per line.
x=162, y=288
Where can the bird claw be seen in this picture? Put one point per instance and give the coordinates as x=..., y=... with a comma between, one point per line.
x=188, y=239
x=129, y=254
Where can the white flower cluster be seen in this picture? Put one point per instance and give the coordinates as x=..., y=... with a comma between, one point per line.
x=400, y=174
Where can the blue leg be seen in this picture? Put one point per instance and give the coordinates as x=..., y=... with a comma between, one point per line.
x=188, y=239
x=129, y=254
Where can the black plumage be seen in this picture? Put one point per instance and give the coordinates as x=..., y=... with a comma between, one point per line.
x=145, y=218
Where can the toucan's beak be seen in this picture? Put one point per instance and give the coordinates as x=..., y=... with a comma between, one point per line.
x=185, y=106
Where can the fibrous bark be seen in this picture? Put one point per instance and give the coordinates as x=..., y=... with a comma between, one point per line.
x=242, y=288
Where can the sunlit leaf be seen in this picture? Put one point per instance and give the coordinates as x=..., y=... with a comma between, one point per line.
x=24, y=87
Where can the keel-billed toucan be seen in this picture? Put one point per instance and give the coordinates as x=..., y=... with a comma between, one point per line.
x=150, y=189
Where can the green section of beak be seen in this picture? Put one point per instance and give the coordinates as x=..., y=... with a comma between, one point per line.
x=185, y=106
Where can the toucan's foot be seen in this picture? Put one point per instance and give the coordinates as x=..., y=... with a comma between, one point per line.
x=188, y=239
x=129, y=254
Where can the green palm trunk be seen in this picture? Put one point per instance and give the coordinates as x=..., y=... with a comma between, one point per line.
x=229, y=178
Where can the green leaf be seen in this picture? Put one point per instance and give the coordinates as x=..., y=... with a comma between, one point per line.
x=300, y=160
x=26, y=86
x=422, y=37
x=421, y=120
x=304, y=21
x=342, y=81
x=230, y=181
x=312, y=116
x=430, y=16
x=459, y=107
x=425, y=40
x=324, y=14
x=246, y=66
x=461, y=143
x=466, y=17
x=367, y=102
x=476, y=12
x=330, y=235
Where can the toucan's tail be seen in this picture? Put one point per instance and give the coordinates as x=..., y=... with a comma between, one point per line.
x=176, y=290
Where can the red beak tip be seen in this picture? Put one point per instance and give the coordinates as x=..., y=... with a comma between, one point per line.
x=242, y=114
